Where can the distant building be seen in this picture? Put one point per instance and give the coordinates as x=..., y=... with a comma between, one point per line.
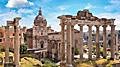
x=11, y=33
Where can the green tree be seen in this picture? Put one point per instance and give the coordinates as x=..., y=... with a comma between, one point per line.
x=1, y=48
x=76, y=51
x=23, y=49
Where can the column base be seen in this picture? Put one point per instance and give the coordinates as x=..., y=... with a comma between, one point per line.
x=90, y=58
x=81, y=59
x=62, y=64
x=7, y=64
x=104, y=57
x=69, y=65
x=16, y=65
x=111, y=58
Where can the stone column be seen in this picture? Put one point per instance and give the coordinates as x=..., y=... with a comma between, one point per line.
x=70, y=29
x=16, y=42
x=81, y=42
x=71, y=44
x=117, y=45
x=90, y=47
x=62, y=46
x=58, y=51
x=104, y=41
x=16, y=46
x=97, y=42
x=116, y=42
x=7, y=42
x=112, y=41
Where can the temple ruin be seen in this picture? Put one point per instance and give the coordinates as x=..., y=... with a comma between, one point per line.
x=84, y=18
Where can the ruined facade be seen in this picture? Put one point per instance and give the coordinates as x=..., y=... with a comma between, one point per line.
x=85, y=18
x=11, y=34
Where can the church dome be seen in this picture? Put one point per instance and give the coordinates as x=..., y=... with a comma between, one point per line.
x=40, y=20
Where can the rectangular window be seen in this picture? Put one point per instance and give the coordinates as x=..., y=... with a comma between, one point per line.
x=0, y=40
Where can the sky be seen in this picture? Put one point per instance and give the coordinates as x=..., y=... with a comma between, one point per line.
x=51, y=9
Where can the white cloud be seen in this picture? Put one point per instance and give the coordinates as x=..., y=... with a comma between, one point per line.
x=114, y=5
x=18, y=3
x=25, y=21
x=115, y=1
x=45, y=1
x=89, y=6
x=62, y=7
x=25, y=11
x=54, y=21
x=8, y=16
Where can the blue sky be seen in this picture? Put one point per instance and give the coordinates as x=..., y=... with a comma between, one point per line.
x=28, y=9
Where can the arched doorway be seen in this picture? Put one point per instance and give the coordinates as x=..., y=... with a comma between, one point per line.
x=42, y=44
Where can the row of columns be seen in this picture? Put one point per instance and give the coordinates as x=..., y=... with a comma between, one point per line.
x=66, y=61
x=16, y=42
x=97, y=41
x=69, y=40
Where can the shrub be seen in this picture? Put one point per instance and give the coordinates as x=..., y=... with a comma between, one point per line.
x=76, y=51
x=23, y=49
x=101, y=61
x=84, y=65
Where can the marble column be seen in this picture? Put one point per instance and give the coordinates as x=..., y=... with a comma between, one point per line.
x=116, y=42
x=81, y=42
x=97, y=42
x=104, y=41
x=70, y=29
x=7, y=42
x=71, y=44
x=90, y=47
x=112, y=41
x=117, y=45
x=16, y=42
x=16, y=46
x=62, y=46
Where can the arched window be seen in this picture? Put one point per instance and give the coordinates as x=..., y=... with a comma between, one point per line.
x=41, y=33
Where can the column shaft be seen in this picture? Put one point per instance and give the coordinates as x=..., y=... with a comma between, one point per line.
x=90, y=42
x=97, y=42
x=62, y=46
x=104, y=41
x=71, y=42
x=16, y=46
x=112, y=41
x=7, y=42
x=81, y=42
x=68, y=44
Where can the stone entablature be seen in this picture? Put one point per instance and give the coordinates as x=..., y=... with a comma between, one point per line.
x=86, y=20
